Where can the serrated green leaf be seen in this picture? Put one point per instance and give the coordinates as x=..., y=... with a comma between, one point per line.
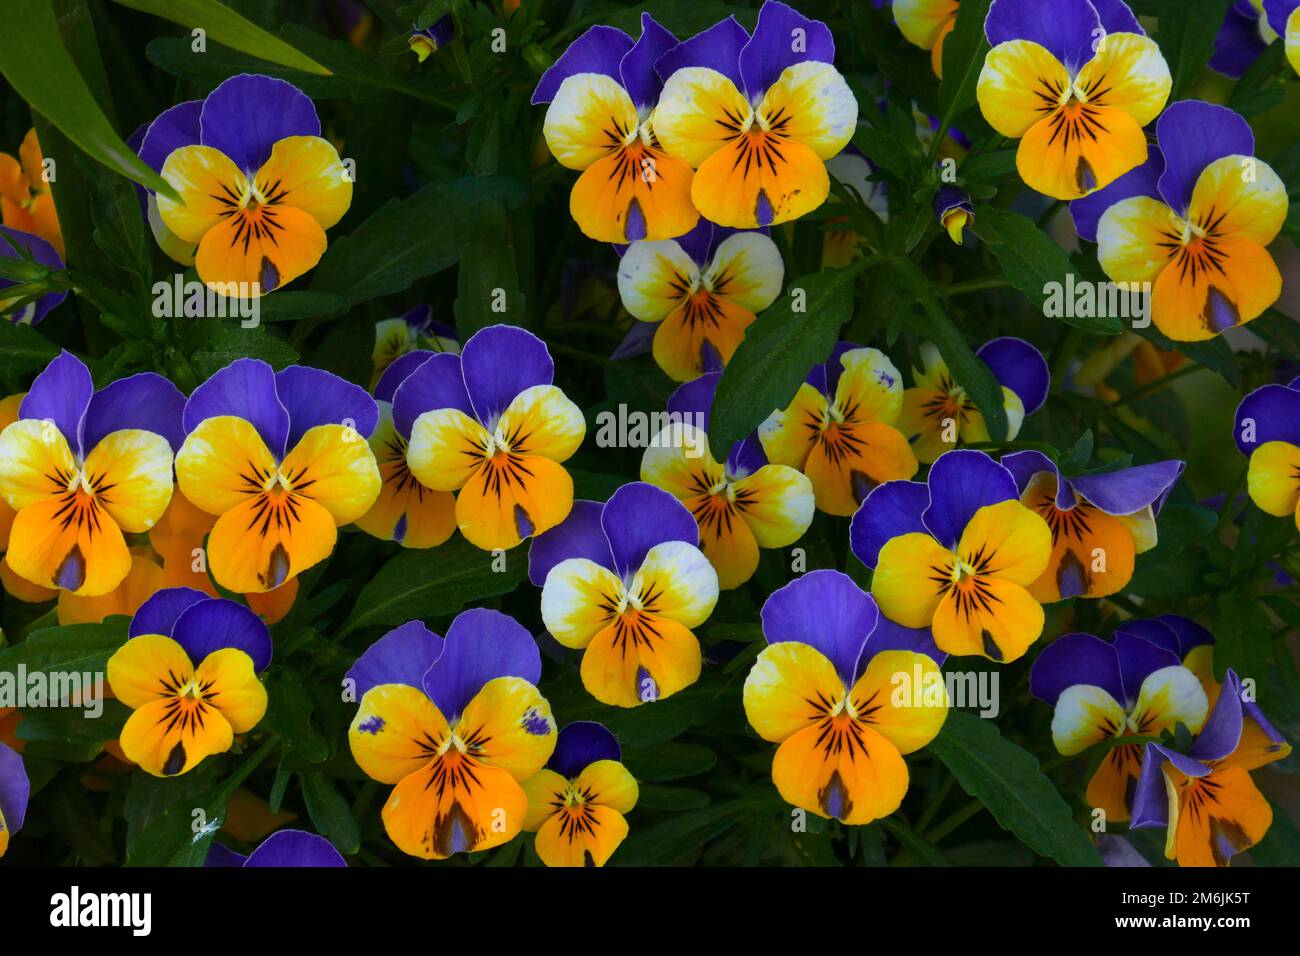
x=1007, y=779
x=436, y=582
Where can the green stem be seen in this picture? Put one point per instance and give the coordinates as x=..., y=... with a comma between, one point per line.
x=1063, y=352
x=953, y=822
x=1158, y=384
x=976, y=285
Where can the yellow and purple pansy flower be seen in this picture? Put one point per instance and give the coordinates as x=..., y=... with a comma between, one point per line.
x=429, y=40
x=1075, y=81
x=296, y=848
x=740, y=505
x=1099, y=522
x=1267, y=431
x=1245, y=35
x=1284, y=20
x=455, y=724
x=26, y=204
x=625, y=582
x=15, y=789
x=601, y=121
x=258, y=184
x=757, y=117
x=842, y=429
x=489, y=425
x=1131, y=686
x=20, y=303
x=577, y=805
x=189, y=674
x=845, y=693
x=406, y=511
x=953, y=211
x=81, y=467
x=927, y=23
x=938, y=414
x=958, y=555
x=1193, y=221
x=1205, y=798
x=281, y=459
x=704, y=289
x=414, y=330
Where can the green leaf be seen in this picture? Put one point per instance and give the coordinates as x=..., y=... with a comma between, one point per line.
x=230, y=342
x=409, y=239
x=436, y=582
x=674, y=799
x=963, y=58
x=1033, y=263
x=79, y=648
x=967, y=368
x=1186, y=33
x=73, y=724
x=926, y=851
x=1241, y=634
x=288, y=713
x=779, y=350
x=22, y=350
x=1008, y=781
x=224, y=25
x=34, y=61
x=669, y=761
x=1215, y=354
x=680, y=838
x=330, y=813
x=487, y=283
x=1281, y=844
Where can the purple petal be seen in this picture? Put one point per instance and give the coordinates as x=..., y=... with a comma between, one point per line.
x=61, y=393
x=717, y=48
x=46, y=255
x=419, y=318
x=695, y=398
x=435, y=383
x=481, y=645
x=599, y=50
x=581, y=744
x=700, y=241
x=961, y=483
x=890, y=510
x=217, y=623
x=1075, y=659
x=580, y=535
x=772, y=48
x=1132, y=489
x=245, y=389
x=1116, y=851
x=1273, y=412
x=637, y=68
x=891, y=636
x=247, y=114
x=826, y=611
x=1020, y=367
x=1067, y=28
x=220, y=856
x=397, y=372
x=1238, y=43
x=1150, y=799
x=147, y=401
x=498, y=363
x=295, y=848
x=172, y=130
x=1190, y=634
x=1278, y=12
x=15, y=789
x=826, y=377
x=637, y=517
x=158, y=614
x=1023, y=465
x=1142, y=180
x=638, y=341
x=1154, y=631
x=402, y=656
x=1116, y=17
x=315, y=397
x=746, y=457
x=1192, y=134
x=1222, y=731
x=1139, y=659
